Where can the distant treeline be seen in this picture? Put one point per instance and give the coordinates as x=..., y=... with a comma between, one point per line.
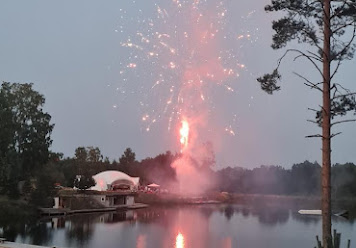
x=300, y=179
x=30, y=169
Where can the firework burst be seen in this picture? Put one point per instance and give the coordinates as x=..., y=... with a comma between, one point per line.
x=176, y=58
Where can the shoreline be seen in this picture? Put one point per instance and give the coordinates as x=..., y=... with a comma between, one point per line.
x=277, y=201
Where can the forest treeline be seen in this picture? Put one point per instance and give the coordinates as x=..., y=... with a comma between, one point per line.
x=301, y=179
x=28, y=166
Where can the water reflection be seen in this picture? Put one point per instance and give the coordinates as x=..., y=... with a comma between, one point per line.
x=307, y=219
x=80, y=229
x=226, y=243
x=179, y=241
x=229, y=212
x=141, y=241
x=266, y=216
x=223, y=226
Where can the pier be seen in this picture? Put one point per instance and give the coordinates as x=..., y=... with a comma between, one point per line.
x=67, y=211
x=7, y=244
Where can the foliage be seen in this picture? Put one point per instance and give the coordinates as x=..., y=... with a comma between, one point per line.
x=301, y=179
x=81, y=154
x=84, y=182
x=129, y=157
x=25, y=131
x=94, y=154
x=331, y=23
x=343, y=178
x=303, y=23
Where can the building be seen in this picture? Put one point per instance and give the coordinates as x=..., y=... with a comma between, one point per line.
x=115, y=180
x=113, y=189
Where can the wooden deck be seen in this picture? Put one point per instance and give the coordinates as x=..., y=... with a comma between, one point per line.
x=7, y=244
x=54, y=211
x=137, y=206
x=67, y=211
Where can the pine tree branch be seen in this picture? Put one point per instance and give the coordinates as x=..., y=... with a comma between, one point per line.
x=343, y=121
x=315, y=56
x=314, y=136
x=336, y=13
x=313, y=110
x=333, y=135
x=346, y=47
x=302, y=54
x=336, y=69
x=342, y=27
x=314, y=122
x=344, y=95
x=308, y=82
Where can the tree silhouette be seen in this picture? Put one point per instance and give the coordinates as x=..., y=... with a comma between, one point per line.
x=25, y=133
x=322, y=25
x=129, y=157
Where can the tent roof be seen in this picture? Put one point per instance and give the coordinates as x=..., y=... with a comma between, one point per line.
x=153, y=185
x=105, y=178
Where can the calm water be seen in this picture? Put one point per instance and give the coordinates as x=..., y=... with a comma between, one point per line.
x=222, y=226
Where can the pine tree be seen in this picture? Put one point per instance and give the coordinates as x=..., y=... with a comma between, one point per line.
x=326, y=30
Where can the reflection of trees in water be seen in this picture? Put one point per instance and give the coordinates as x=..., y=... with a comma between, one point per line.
x=81, y=229
x=267, y=216
x=207, y=211
x=163, y=216
x=114, y=217
x=37, y=232
x=271, y=216
x=13, y=229
x=245, y=212
x=229, y=212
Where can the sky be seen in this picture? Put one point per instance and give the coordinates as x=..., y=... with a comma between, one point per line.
x=118, y=74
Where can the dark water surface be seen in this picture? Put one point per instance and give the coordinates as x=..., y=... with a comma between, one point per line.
x=222, y=226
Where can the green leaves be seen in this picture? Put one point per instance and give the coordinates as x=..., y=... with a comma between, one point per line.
x=25, y=131
x=128, y=158
x=340, y=106
x=288, y=29
x=269, y=82
x=84, y=182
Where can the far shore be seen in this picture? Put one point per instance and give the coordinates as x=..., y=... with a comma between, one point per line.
x=256, y=200
x=22, y=209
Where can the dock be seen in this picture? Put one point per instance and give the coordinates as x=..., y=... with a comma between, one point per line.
x=67, y=211
x=7, y=244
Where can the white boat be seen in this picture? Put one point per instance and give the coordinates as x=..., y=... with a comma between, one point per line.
x=312, y=211
x=343, y=213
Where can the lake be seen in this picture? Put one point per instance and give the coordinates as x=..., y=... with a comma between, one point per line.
x=195, y=226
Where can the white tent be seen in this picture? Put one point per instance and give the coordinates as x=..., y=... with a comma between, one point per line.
x=108, y=180
x=153, y=185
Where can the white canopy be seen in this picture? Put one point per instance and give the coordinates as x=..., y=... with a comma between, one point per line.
x=153, y=185
x=106, y=180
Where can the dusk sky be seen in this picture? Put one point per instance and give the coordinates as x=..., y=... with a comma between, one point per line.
x=118, y=74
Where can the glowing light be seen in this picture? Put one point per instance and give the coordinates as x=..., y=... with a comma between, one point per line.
x=179, y=241
x=179, y=54
x=132, y=65
x=141, y=241
x=184, y=134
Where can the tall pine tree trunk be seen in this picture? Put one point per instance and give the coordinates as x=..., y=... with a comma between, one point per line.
x=326, y=139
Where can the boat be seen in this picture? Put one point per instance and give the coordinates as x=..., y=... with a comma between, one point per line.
x=342, y=213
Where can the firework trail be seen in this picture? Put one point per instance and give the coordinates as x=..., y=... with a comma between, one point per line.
x=177, y=58
x=179, y=55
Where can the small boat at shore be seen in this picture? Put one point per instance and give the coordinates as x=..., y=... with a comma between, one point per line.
x=310, y=211
x=343, y=213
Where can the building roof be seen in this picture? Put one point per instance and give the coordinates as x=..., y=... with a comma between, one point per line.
x=153, y=185
x=107, y=179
